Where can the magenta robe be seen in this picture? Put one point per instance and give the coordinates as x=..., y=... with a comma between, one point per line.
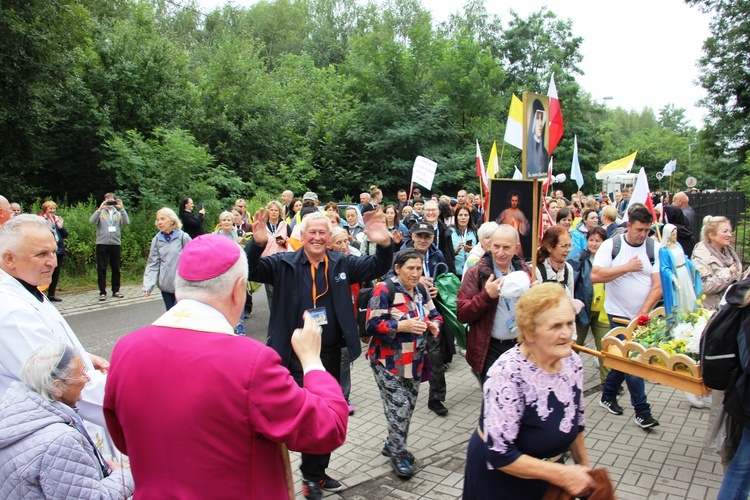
x=201, y=415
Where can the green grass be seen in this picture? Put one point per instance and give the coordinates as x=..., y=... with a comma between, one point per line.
x=71, y=282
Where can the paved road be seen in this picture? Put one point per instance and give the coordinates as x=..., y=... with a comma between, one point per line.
x=99, y=328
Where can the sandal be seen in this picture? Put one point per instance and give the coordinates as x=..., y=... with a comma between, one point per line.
x=102, y=298
x=118, y=295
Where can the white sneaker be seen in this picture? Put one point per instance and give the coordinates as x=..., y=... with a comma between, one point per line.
x=698, y=401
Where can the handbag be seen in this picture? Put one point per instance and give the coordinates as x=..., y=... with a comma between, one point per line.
x=604, y=490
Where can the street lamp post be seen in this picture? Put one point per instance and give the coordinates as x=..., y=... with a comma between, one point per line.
x=690, y=153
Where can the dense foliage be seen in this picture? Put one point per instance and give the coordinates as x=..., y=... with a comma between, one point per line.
x=157, y=100
x=725, y=74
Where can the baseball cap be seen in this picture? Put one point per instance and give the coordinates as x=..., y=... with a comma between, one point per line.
x=422, y=228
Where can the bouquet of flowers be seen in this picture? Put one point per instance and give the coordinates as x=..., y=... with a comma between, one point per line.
x=683, y=336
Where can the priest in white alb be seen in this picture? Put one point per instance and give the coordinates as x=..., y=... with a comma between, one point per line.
x=27, y=319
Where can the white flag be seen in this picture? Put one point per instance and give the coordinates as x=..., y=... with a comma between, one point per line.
x=575, y=167
x=517, y=175
x=670, y=167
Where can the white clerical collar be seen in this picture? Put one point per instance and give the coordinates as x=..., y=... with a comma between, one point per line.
x=190, y=314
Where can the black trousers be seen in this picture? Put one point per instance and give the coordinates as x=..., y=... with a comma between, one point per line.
x=55, y=276
x=497, y=349
x=436, y=351
x=108, y=255
x=313, y=467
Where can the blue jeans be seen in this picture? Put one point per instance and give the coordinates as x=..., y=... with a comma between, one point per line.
x=169, y=300
x=736, y=483
x=636, y=386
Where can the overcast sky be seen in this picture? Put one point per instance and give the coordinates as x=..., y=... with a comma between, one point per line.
x=640, y=52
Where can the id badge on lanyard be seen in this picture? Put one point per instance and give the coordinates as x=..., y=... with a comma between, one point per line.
x=319, y=314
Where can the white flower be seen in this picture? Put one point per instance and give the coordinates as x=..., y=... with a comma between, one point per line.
x=683, y=331
x=694, y=345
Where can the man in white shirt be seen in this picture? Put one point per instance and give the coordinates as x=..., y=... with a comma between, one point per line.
x=629, y=265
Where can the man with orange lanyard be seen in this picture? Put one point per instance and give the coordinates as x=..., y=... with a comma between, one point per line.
x=316, y=280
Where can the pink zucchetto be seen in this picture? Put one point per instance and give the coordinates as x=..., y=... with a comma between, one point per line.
x=207, y=256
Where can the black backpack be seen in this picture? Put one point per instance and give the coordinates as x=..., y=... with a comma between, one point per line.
x=363, y=303
x=719, y=355
x=617, y=245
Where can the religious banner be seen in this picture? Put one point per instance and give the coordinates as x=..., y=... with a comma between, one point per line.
x=516, y=203
x=535, y=156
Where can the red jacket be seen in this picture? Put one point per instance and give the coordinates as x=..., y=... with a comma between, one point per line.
x=202, y=415
x=476, y=307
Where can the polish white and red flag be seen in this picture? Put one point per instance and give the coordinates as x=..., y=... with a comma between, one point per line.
x=556, y=126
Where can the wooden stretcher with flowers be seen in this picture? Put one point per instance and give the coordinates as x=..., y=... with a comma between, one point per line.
x=650, y=348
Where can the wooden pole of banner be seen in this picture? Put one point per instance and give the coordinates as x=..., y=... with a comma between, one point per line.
x=481, y=195
x=586, y=350
x=535, y=238
x=500, y=161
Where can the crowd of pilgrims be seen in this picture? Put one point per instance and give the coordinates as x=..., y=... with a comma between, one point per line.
x=522, y=322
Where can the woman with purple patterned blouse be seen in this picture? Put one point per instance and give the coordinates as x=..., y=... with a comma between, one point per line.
x=532, y=410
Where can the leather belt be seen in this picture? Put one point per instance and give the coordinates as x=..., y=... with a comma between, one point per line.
x=504, y=342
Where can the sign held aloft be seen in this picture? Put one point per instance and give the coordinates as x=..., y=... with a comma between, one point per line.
x=423, y=172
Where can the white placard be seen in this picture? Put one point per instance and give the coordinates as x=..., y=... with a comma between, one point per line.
x=423, y=172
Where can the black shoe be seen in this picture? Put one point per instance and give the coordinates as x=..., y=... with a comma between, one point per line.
x=437, y=407
x=386, y=452
x=52, y=298
x=311, y=490
x=611, y=406
x=402, y=467
x=330, y=484
x=645, y=420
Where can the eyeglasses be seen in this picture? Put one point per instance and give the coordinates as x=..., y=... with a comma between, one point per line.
x=565, y=247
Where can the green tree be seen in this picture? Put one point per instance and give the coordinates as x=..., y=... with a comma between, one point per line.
x=532, y=48
x=674, y=119
x=141, y=78
x=161, y=170
x=725, y=74
x=332, y=24
x=48, y=117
